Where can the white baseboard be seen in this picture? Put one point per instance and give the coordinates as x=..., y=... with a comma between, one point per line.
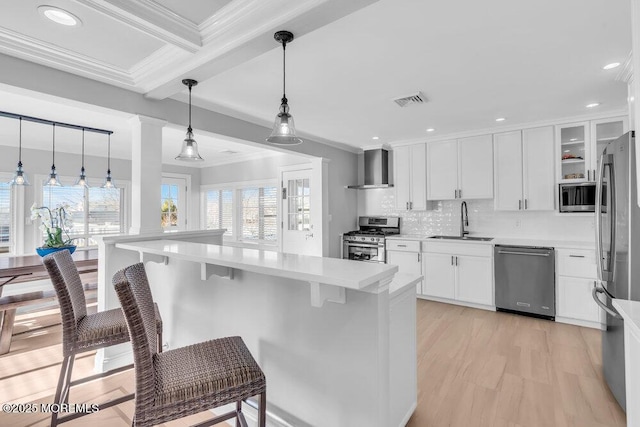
x=578, y=322
x=406, y=418
x=456, y=302
x=106, y=363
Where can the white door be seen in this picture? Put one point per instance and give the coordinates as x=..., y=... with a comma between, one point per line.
x=474, y=279
x=418, y=177
x=475, y=157
x=508, y=173
x=442, y=158
x=402, y=177
x=300, y=214
x=439, y=275
x=539, y=182
x=173, y=212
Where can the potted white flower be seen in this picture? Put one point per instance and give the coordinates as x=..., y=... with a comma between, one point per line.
x=55, y=223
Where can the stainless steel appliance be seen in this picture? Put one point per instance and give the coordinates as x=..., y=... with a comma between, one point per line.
x=525, y=280
x=376, y=170
x=617, y=250
x=368, y=242
x=578, y=197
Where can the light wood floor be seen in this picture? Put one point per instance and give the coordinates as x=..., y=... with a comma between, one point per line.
x=481, y=368
x=475, y=368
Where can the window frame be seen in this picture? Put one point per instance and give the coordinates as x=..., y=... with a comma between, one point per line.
x=14, y=198
x=122, y=185
x=236, y=188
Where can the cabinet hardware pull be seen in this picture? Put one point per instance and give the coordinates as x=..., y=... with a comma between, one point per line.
x=576, y=256
x=419, y=257
x=404, y=246
x=519, y=205
x=526, y=204
x=456, y=261
x=410, y=205
x=407, y=204
x=455, y=194
x=460, y=193
x=589, y=175
x=524, y=253
x=451, y=259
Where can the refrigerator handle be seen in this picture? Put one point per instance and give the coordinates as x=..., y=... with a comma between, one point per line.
x=600, y=290
x=598, y=213
x=611, y=267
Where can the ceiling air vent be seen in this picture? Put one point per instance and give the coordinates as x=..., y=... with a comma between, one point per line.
x=413, y=99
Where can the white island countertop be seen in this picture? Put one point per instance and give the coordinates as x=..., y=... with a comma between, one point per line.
x=630, y=311
x=329, y=271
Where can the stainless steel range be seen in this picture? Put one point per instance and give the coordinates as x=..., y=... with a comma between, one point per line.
x=368, y=243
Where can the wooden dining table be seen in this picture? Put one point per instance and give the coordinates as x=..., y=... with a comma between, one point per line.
x=28, y=268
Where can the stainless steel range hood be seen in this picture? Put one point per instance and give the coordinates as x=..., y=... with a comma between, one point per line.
x=376, y=170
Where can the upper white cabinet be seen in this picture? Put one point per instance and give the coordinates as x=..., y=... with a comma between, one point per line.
x=410, y=177
x=460, y=169
x=579, y=146
x=524, y=170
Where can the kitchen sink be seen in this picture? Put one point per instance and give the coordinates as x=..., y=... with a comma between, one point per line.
x=471, y=238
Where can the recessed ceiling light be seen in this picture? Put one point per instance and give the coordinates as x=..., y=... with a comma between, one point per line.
x=376, y=137
x=501, y=119
x=59, y=16
x=592, y=105
x=611, y=66
x=430, y=130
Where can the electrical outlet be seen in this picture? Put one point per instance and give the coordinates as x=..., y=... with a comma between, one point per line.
x=518, y=223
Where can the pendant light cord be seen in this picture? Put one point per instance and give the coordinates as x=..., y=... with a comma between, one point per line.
x=190, y=130
x=82, y=169
x=109, y=156
x=53, y=164
x=20, y=144
x=284, y=70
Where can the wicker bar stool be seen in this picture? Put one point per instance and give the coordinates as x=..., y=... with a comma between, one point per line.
x=82, y=332
x=186, y=380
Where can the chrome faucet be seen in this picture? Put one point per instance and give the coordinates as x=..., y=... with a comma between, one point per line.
x=464, y=219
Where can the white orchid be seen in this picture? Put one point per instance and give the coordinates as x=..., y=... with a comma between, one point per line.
x=54, y=223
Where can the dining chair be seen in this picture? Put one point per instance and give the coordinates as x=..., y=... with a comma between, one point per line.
x=82, y=332
x=186, y=380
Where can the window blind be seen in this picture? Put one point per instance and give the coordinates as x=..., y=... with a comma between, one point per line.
x=5, y=217
x=219, y=210
x=259, y=213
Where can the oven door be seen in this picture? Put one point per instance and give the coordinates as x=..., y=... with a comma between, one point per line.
x=358, y=251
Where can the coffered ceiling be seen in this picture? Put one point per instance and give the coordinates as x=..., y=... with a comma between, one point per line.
x=473, y=61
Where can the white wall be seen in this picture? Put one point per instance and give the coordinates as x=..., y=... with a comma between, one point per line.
x=484, y=220
x=250, y=170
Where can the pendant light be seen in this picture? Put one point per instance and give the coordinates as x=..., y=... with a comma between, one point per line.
x=189, y=151
x=19, y=177
x=82, y=180
x=108, y=182
x=284, y=131
x=53, y=180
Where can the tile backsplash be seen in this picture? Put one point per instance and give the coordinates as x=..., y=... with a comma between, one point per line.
x=443, y=218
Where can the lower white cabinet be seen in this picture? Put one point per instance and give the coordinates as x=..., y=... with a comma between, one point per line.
x=406, y=255
x=459, y=272
x=576, y=273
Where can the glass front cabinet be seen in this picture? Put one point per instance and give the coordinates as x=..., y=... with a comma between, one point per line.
x=580, y=145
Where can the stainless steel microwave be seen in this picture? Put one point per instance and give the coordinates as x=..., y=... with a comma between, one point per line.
x=578, y=197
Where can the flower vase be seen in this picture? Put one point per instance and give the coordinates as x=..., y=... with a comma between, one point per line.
x=46, y=251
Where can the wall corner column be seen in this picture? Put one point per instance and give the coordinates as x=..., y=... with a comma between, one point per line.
x=146, y=174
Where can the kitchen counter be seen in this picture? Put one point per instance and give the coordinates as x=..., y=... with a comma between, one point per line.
x=322, y=329
x=508, y=241
x=630, y=311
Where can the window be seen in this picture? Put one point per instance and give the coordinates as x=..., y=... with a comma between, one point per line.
x=219, y=210
x=92, y=210
x=248, y=212
x=5, y=217
x=259, y=213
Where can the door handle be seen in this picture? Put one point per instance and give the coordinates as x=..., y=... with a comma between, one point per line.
x=600, y=290
x=523, y=253
x=306, y=236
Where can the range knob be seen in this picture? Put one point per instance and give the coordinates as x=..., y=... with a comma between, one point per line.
x=373, y=239
x=362, y=238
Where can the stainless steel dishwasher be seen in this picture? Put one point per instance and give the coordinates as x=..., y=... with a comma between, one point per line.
x=525, y=280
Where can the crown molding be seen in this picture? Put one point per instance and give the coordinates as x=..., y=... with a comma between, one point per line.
x=511, y=128
x=152, y=19
x=34, y=50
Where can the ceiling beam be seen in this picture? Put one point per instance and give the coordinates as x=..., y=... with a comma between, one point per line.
x=152, y=19
x=241, y=31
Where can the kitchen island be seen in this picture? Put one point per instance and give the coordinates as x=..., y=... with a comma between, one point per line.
x=335, y=338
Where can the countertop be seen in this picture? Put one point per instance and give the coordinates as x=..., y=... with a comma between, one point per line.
x=401, y=281
x=330, y=271
x=630, y=311
x=515, y=241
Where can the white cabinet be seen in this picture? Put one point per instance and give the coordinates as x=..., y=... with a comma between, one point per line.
x=524, y=170
x=576, y=273
x=459, y=272
x=579, y=146
x=460, y=169
x=410, y=177
x=406, y=255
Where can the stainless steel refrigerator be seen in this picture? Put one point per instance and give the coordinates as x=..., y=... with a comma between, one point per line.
x=617, y=250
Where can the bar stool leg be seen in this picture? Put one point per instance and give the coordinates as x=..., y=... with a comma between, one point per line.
x=64, y=372
x=262, y=410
